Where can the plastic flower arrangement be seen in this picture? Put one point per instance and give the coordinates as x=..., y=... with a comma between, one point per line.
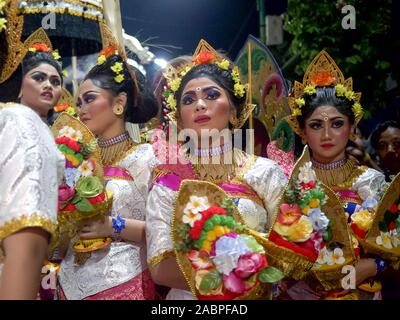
x=383, y=235
x=223, y=259
x=82, y=194
x=303, y=230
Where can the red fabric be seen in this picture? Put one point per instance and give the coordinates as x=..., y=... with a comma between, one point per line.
x=277, y=239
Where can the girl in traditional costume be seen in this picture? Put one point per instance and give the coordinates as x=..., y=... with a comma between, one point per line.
x=206, y=94
x=108, y=97
x=325, y=113
x=30, y=165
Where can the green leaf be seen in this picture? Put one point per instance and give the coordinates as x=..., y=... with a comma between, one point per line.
x=76, y=199
x=84, y=205
x=327, y=235
x=270, y=275
x=210, y=281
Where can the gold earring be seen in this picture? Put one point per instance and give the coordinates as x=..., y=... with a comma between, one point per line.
x=118, y=109
x=234, y=121
x=352, y=137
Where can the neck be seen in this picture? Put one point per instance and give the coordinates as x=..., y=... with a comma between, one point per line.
x=112, y=131
x=328, y=160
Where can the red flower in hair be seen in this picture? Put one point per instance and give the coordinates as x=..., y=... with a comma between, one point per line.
x=41, y=47
x=204, y=57
x=108, y=51
x=323, y=79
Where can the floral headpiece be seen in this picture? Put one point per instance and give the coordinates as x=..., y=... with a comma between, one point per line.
x=322, y=72
x=204, y=54
x=3, y=20
x=117, y=67
x=42, y=47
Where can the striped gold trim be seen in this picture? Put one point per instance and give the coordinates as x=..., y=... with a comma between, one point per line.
x=157, y=259
x=28, y=221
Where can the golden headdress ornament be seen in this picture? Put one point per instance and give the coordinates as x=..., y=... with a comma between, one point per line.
x=322, y=72
x=205, y=54
x=37, y=41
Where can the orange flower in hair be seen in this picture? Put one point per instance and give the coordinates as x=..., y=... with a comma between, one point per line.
x=108, y=51
x=40, y=47
x=323, y=79
x=204, y=57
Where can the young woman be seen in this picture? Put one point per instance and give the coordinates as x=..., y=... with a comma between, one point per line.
x=325, y=112
x=31, y=169
x=208, y=98
x=108, y=97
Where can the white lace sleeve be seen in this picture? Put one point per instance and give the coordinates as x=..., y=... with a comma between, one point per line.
x=370, y=183
x=158, y=224
x=29, y=163
x=268, y=180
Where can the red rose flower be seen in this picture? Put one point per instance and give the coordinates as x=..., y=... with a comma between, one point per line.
x=323, y=79
x=61, y=107
x=307, y=186
x=393, y=208
x=250, y=264
x=392, y=226
x=204, y=57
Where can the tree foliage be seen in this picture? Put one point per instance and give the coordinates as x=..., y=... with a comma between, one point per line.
x=362, y=53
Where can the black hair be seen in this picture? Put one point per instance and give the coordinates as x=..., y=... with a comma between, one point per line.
x=220, y=76
x=325, y=96
x=376, y=134
x=34, y=59
x=141, y=104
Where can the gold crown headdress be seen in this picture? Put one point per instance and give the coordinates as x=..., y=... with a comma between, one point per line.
x=205, y=54
x=37, y=41
x=322, y=72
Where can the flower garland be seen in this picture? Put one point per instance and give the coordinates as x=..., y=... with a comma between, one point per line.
x=3, y=21
x=325, y=79
x=117, y=67
x=204, y=57
x=227, y=261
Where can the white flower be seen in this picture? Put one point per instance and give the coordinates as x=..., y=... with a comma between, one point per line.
x=323, y=257
x=306, y=173
x=66, y=131
x=336, y=257
x=86, y=168
x=384, y=240
x=193, y=209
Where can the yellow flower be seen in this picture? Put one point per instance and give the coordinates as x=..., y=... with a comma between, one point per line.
x=340, y=90
x=350, y=95
x=64, y=73
x=117, y=67
x=32, y=50
x=300, y=102
x=357, y=109
x=55, y=55
x=314, y=203
x=239, y=90
x=3, y=23
x=363, y=219
x=174, y=85
x=70, y=111
x=306, y=209
x=296, y=112
x=207, y=245
x=310, y=90
x=187, y=69
x=171, y=101
x=101, y=59
x=299, y=231
x=224, y=64
x=219, y=231
x=211, y=235
x=2, y=4
x=119, y=78
x=235, y=74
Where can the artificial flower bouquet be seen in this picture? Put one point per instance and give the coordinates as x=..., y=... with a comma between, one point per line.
x=215, y=251
x=82, y=195
x=310, y=231
x=382, y=237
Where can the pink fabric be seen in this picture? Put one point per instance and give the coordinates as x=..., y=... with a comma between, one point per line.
x=116, y=172
x=348, y=194
x=139, y=288
x=284, y=159
x=237, y=189
x=171, y=181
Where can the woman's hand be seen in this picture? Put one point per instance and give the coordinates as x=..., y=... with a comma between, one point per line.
x=365, y=268
x=97, y=229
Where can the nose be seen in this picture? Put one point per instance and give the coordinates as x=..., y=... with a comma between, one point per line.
x=326, y=133
x=47, y=84
x=390, y=148
x=200, y=105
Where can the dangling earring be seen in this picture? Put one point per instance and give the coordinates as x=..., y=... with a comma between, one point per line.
x=233, y=121
x=118, y=109
x=352, y=137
